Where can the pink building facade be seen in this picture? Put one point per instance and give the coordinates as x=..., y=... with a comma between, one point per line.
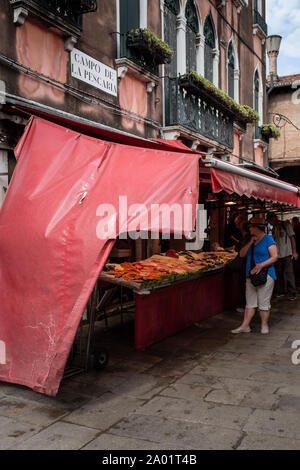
x=74, y=60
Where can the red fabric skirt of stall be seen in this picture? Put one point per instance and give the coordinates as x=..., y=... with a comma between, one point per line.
x=166, y=311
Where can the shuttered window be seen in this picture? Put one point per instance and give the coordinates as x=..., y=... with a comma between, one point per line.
x=171, y=11
x=231, y=67
x=191, y=35
x=256, y=92
x=129, y=19
x=209, y=49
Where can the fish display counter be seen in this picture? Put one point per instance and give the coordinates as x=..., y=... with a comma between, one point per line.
x=175, y=290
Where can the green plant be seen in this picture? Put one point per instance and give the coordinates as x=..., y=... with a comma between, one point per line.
x=271, y=131
x=241, y=112
x=149, y=42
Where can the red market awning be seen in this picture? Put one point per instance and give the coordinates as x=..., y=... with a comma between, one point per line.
x=92, y=128
x=50, y=251
x=233, y=180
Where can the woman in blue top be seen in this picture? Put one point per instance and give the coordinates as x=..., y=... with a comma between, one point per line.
x=265, y=255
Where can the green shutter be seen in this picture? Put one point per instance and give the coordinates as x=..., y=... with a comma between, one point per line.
x=129, y=19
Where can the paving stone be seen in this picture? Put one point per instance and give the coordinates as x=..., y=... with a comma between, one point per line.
x=65, y=399
x=12, y=432
x=262, y=396
x=139, y=363
x=84, y=389
x=105, y=411
x=59, y=436
x=226, y=356
x=289, y=403
x=232, y=397
x=172, y=368
x=251, y=341
x=276, y=423
x=293, y=390
x=263, y=442
x=143, y=386
x=208, y=346
x=232, y=417
x=113, y=442
x=276, y=377
x=225, y=369
x=12, y=407
x=30, y=412
x=217, y=383
x=178, y=433
x=284, y=358
x=110, y=380
x=203, y=380
x=187, y=391
x=19, y=391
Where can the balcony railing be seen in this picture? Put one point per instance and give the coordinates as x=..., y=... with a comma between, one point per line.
x=139, y=57
x=259, y=21
x=63, y=9
x=58, y=13
x=197, y=115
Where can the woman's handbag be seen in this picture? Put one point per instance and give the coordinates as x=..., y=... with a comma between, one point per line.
x=261, y=278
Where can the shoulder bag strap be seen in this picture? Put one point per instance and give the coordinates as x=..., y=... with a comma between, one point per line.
x=252, y=256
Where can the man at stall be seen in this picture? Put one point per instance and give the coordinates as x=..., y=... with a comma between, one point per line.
x=284, y=236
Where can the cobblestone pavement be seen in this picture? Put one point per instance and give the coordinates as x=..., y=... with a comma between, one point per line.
x=201, y=389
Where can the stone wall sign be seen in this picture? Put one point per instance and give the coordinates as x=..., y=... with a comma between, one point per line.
x=93, y=72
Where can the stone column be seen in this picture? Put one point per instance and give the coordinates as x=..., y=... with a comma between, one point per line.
x=216, y=67
x=181, y=45
x=237, y=85
x=200, y=44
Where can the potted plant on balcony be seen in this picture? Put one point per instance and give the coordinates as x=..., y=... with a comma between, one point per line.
x=270, y=131
x=197, y=85
x=150, y=46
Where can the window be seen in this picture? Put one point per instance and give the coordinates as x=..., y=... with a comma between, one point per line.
x=129, y=19
x=256, y=91
x=170, y=34
x=192, y=28
x=231, y=67
x=258, y=6
x=209, y=49
x=233, y=72
x=258, y=94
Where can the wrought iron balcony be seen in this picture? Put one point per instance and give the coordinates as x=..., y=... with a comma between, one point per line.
x=64, y=14
x=197, y=115
x=260, y=22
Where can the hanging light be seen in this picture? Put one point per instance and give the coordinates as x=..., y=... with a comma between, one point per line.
x=230, y=203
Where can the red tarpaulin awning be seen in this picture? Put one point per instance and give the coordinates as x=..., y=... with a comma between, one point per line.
x=266, y=189
x=50, y=253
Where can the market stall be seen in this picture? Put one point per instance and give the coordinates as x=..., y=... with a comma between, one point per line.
x=58, y=224
x=175, y=291
x=51, y=251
